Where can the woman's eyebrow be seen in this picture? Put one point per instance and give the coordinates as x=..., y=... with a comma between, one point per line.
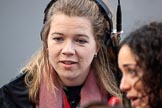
x=82, y=35
x=126, y=65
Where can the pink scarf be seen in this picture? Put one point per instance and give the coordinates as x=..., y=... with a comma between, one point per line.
x=90, y=92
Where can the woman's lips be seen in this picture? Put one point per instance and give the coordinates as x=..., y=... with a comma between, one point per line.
x=68, y=64
x=135, y=102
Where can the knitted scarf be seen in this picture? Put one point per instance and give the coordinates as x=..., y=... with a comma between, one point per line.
x=89, y=92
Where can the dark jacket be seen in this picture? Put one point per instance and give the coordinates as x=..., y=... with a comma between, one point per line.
x=15, y=94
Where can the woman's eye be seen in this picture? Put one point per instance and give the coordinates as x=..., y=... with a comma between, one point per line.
x=81, y=41
x=58, y=39
x=132, y=72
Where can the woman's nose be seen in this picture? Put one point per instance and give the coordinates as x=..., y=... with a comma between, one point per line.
x=68, y=48
x=125, y=84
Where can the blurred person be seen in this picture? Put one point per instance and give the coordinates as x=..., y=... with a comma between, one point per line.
x=96, y=105
x=113, y=102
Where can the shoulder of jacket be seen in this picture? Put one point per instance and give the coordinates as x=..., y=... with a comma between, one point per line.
x=16, y=81
x=19, y=77
x=15, y=93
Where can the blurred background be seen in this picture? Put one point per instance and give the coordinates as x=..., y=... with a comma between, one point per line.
x=21, y=23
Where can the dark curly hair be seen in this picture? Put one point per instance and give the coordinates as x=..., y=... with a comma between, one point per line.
x=146, y=44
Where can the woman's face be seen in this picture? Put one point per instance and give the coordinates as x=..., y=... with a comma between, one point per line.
x=130, y=82
x=71, y=48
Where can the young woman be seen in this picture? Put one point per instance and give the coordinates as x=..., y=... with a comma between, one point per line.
x=72, y=68
x=140, y=61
